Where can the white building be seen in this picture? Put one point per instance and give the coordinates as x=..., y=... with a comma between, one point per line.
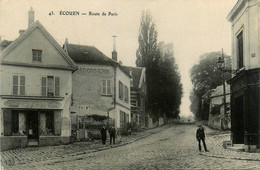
x=36, y=88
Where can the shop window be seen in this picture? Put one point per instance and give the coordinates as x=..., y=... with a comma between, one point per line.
x=50, y=123
x=15, y=123
x=18, y=85
x=50, y=86
x=37, y=55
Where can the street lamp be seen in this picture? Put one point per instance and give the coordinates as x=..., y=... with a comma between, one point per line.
x=221, y=67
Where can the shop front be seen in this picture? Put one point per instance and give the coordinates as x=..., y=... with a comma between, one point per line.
x=31, y=123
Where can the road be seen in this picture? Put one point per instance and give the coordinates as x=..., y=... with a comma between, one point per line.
x=172, y=148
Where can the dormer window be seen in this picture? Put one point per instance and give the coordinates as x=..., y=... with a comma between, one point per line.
x=36, y=55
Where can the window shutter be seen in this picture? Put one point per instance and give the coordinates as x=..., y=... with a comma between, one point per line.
x=57, y=122
x=120, y=90
x=44, y=83
x=126, y=94
x=109, y=87
x=7, y=122
x=57, y=86
x=15, y=85
x=103, y=86
x=22, y=85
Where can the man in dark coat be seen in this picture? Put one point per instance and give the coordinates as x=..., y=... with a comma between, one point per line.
x=112, y=132
x=103, y=134
x=200, y=135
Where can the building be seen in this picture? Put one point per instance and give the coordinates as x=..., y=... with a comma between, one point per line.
x=138, y=95
x=101, y=86
x=217, y=117
x=36, y=88
x=245, y=93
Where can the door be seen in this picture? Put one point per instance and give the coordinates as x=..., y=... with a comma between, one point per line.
x=239, y=120
x=33, y=125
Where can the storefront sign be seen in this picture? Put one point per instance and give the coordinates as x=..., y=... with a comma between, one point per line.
x=32, y=104
x=94, y=70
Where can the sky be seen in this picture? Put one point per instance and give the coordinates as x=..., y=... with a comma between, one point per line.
x=194, y=27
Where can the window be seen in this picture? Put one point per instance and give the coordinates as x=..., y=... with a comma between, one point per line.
x=18, y=85
x=122, y=119
x=121, y=90
x=49, y=122
x=240, y=50
x=50, y=86
x=106, y=87
x=37, y=55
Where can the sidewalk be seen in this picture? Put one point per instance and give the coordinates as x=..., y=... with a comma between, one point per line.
x=55, y=153
x=215, y=139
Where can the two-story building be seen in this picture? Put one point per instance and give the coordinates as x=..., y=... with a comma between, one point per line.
x=35, y=89
x=100, y=85
x=245, y=90
x=138, y=95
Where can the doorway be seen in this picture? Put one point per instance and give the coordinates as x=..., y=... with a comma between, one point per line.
x=239, y=120
x=32, y=120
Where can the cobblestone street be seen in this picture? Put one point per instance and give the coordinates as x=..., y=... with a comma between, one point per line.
x=166, y=147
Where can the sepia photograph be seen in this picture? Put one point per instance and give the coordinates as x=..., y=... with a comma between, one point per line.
x=129, y=84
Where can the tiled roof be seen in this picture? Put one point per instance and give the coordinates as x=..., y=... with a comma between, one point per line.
x=136, y=73
x=87, y=54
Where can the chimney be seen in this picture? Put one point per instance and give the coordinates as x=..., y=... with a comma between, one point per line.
x=130, y=72
x=131, y=80
x=114, y=53
x=21, y=32
x=30, y=17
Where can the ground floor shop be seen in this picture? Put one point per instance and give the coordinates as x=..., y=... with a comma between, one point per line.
x=22, y=127
x=245, y=104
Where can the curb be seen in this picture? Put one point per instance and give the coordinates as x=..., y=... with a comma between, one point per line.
x=235, y=158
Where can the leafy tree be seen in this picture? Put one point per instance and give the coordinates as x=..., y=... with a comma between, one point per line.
x=147, y=40
x=163, y=79
x=206, y=76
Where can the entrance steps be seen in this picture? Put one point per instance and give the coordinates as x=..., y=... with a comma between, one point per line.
x=33, y=142
x=236, y=147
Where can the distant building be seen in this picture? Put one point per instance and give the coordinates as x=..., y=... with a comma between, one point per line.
x=100, y=85
x=245, y=91
x=36, y=88
x=138, y=95
x=217, y=118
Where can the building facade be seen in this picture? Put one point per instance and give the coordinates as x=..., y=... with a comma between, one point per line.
x=35, y=90
x=245, y=92
x=100, y=85
x=138, y=95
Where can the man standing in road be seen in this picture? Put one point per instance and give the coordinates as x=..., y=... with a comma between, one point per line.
x=200, y=135
x=103, y=135
x=112, y=132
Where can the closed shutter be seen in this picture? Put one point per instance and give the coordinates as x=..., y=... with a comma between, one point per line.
x=57, y=86
x=44, y=89
x=57, y=122
x=126, y=94
x=120, y=90
x=104, y=87
x=7, y=122
x=22, y=85
x=15, y=85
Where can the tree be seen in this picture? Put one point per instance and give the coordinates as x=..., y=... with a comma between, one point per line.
x=147, y=40
x=164, y=89
x=206, y=76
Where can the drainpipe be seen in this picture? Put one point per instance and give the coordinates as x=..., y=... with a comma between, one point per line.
x=114, y=98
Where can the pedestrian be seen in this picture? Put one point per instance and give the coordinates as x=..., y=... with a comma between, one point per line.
x=112, y=132
x=103, y=134
x=200, y=135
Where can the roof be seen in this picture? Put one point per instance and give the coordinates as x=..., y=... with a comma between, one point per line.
x=87, y=54
x=17, y=41
x=235, y=9
x=90, y=55
x=136, y=73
